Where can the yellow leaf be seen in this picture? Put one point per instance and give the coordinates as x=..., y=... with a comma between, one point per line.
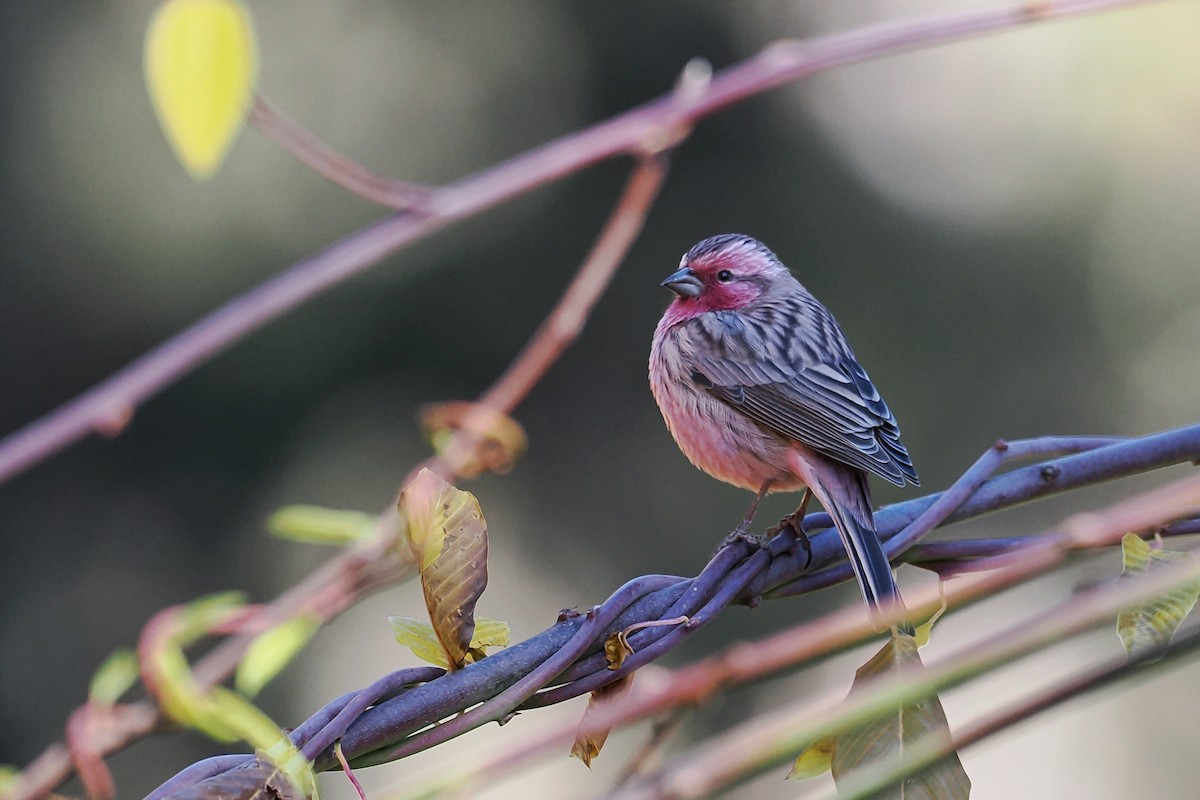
x=201, y=68
x=588, y=743
x=813, y=761
x=448, y=535
x=272, y=650
x=420, y=638
x=252, y=725
x=1151, y=624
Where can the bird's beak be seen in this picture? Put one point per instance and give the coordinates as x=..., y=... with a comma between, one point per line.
x=685, y=283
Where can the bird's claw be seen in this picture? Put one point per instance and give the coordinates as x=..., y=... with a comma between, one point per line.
x=742, y=534
x=796, y=523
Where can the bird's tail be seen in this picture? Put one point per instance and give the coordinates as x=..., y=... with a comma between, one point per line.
x=844, y=493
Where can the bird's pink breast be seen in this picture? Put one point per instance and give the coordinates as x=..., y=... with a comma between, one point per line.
x=715, y=437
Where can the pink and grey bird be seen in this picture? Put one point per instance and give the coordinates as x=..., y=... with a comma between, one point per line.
x=760, y=389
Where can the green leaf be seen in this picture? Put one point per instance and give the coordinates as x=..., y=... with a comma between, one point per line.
x=272, y=650
x=447, y=533
x=1151, y=624
x=201, y=67
x=889, y=736
x=317, y=525
x=115, y=677
x=422, y=640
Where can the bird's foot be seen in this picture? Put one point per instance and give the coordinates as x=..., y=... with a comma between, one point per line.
x=795, y=522
x=742, y=534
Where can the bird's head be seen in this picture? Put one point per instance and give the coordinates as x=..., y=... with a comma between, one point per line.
x=724, y=273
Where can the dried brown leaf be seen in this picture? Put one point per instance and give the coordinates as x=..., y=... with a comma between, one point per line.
x=889, y=735
x=448, y=535
x=588, y=742
x=500, y=439
x=617, y=649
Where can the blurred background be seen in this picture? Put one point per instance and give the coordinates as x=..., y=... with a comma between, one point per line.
x=1005, y=227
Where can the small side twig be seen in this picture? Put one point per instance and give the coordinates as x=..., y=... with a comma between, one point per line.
x=349, y=773
x=565, y=322
x=327, y=162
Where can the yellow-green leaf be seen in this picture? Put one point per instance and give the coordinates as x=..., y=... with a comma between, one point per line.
x=201, y=66
x=217, y=712
x=889, y=736
x=165, y=668
x=252, y=725
x=589, y=742
x=490, y=633
x=10, y=780
x=272, y=650
x=421, y=639
x=925, y=630
x=317, y=525
x=114, y=678
x=1151, y=624
x=448, y=535
x=813, y=761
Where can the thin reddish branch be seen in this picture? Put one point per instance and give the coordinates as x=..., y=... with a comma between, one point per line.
x=566, y=320
x=108, y=406
x=327, y=162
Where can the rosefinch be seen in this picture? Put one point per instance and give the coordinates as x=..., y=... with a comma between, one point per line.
x=760, y=389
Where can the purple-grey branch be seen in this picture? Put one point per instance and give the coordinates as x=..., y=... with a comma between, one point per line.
x=738, y=573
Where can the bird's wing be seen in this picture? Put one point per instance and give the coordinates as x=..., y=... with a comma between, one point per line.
x=819, y=396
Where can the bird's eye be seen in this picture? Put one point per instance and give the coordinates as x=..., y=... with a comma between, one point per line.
x=724, y=276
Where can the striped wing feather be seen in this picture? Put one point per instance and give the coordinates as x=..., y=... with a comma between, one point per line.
x=828, y=405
